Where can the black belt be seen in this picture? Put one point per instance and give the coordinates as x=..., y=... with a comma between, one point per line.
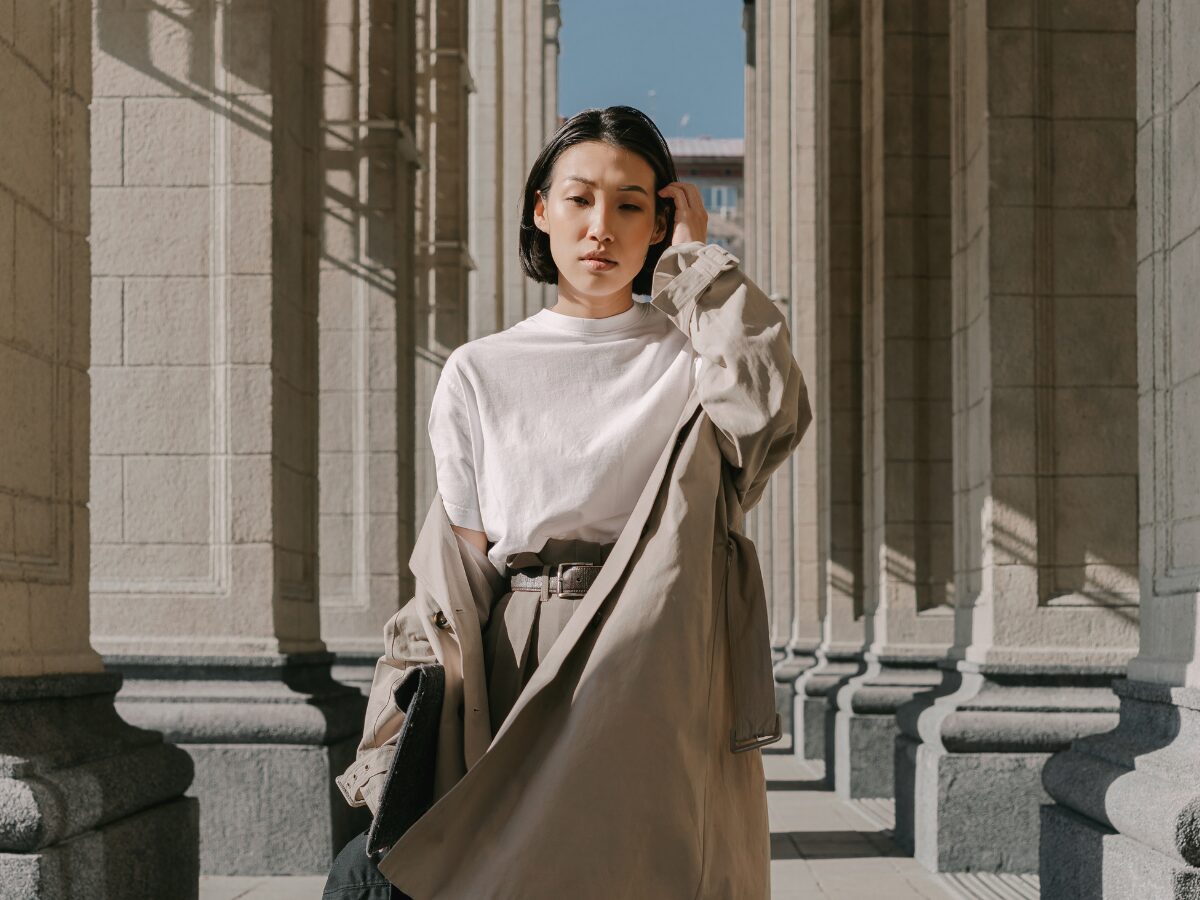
x=567, y=579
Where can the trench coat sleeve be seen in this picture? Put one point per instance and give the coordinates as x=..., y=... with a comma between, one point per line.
x=749, y=382
x=406, y=643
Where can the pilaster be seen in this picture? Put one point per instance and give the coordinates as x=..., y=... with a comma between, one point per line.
x=1044, y=424
x=908, y=567
x=1123, y=823
x=367, y=427
x=838, y=381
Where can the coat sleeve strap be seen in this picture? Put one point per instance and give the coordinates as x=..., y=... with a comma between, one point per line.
x=756, y=721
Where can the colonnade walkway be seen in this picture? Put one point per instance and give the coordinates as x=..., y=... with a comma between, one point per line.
x=822, y=848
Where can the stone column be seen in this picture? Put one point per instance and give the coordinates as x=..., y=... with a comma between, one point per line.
x=770, y=198
x=367, y=432
x=89, y=806
x=499, y=294
x=443, y=259
x=793, y=573
x=491, y=205
x=805, y=551
x=206, y=207
x=1124, y=823
x=551, y=26
x=837, y=386
x=537, y=97
x=908, y=571
x=757, y=264
x=1044, y=424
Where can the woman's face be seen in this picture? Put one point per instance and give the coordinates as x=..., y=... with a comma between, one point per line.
x=601, y=201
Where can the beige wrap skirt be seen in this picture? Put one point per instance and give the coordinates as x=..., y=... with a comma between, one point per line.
x=524, y=624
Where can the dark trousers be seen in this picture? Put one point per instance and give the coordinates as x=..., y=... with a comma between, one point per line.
x=354, y=876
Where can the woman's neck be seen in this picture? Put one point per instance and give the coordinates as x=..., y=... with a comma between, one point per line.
x=572, y=304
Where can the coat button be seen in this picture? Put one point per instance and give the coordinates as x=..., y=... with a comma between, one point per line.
x=439, y=619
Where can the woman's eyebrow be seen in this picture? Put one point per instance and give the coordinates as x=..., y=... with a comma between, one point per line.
x=623, y=188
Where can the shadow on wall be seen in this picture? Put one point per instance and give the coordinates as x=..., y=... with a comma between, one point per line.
x=176, y=48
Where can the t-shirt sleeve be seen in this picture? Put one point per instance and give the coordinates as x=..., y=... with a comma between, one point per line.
x=453, y=450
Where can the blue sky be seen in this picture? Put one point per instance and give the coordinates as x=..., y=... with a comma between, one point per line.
x=690, y=53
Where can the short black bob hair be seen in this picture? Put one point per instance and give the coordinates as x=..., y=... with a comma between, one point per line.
x=620, y=126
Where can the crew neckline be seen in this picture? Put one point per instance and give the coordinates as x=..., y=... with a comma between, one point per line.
x=580, y=325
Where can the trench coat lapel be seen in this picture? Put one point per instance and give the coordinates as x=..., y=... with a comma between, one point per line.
x=614, y=567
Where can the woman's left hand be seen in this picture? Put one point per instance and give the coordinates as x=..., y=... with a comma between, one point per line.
x=691, y=218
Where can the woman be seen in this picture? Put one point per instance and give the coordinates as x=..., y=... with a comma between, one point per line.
x=590, y=701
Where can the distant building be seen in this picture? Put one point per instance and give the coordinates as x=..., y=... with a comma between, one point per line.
x=715, y=165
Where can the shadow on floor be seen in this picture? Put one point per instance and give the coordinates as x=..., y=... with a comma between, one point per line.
x=830, y=845
x=796, y=785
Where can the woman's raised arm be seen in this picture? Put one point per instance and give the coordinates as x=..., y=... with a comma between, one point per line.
x=749, y=381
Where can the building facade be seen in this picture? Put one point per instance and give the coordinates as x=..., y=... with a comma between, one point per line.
x=715, y=166
x=239, y=237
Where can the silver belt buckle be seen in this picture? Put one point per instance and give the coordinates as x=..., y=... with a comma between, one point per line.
x=563, y=592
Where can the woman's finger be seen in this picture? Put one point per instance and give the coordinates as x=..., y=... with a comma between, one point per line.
x=679, y=195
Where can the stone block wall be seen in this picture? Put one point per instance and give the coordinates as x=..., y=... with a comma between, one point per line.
x=204, y=346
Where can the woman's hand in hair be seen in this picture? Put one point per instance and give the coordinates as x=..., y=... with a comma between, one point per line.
x=691, y=218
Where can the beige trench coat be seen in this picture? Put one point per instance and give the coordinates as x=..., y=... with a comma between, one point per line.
x=615, y=774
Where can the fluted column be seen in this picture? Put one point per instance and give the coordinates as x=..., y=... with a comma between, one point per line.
x=1044, y=424
x=1124, y=823
x=206, y=213
x=89, y=806
x=908, y=573
x=838, y=381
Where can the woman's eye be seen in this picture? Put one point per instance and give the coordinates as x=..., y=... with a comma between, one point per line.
x=583, y=201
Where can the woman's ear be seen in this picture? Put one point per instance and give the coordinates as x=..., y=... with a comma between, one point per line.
x=660, y=226
x=539, y=213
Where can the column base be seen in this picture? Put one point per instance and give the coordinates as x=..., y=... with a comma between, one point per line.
x=1126, y=819
x=89, y=805
x=969, y=760
x=268, y=736
x=787, y=671
x=811, y=705
x=355, y=669
x=865, y=726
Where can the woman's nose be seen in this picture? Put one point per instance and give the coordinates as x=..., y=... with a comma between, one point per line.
x=601, y=224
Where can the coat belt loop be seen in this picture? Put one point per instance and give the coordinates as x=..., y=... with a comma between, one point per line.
x=546, y=584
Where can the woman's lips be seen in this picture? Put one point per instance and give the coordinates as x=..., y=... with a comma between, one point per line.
x=599, y=265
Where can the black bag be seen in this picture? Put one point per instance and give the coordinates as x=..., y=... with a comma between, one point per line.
x=408, y=788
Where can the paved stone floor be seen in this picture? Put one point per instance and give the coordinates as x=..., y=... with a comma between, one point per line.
x=821, y=847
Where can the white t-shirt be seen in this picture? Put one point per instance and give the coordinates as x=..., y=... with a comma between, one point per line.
x=550, y=428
